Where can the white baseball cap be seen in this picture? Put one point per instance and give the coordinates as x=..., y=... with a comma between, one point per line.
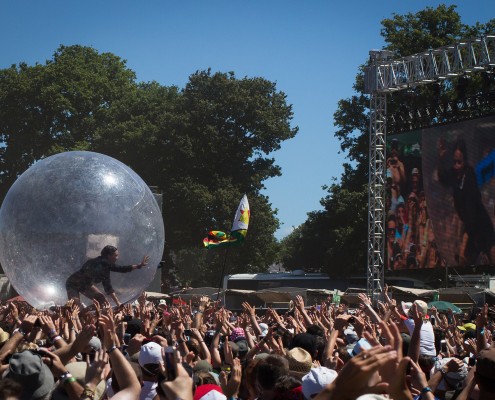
x=316, y=379
x=151, y=353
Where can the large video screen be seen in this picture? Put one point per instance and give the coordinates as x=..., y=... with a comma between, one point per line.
x=440, y=196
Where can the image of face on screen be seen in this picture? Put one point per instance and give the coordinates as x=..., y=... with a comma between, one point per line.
x=442, y=207
x=460, y=190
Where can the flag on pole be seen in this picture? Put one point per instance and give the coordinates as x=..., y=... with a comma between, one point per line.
x=238, y=231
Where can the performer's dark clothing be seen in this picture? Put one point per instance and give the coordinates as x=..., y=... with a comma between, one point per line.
x=471, y=211
x=94, y=271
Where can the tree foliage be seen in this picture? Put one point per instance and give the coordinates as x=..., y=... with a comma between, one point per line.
x=203, y=146
x=334, y=240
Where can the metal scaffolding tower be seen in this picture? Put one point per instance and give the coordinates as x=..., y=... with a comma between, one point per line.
x=384, y=75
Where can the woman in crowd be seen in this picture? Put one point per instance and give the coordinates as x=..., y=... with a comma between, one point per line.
x=477, y=244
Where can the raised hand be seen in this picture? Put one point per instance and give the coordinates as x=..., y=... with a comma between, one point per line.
x=248, y=308
x=417, y=315
x=181, y=387
x=142, y=300
x=398, y=386
x=470, y=346
x=53, y=361
x=299, y=303
x=135, y=344
x=109, y=335
x=144, y=262
x=97, y=306
x=196, y=334
x=364, y=299
x=160, y=340
x=97, y=371
x=353, y=378
x=482, y=317
x=82, y=340
x=28, y=322
x=47, y=326
x=203, y=302
x=227, y=351
x=275, y=316
x=14, y=311
x=231, y=387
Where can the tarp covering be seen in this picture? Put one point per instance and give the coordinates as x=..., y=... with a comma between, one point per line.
x=270, y=296
x=281, y=296
x=413, y=291
x=156, y=296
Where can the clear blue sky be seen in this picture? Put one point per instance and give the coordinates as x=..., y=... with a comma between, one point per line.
x=311, y=49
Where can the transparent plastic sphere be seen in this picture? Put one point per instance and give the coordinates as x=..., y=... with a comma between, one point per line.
x=63, y=210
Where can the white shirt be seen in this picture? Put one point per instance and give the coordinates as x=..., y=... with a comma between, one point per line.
x=148, y=391
x=426, y=337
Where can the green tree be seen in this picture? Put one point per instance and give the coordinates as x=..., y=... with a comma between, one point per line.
x=335, y=240
x=45, y=109
x=204, y=146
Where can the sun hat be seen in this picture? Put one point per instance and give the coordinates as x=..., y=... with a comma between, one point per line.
x=261, y=356
x=237, y=334
x=209, y=392
x=27, y=368
x=300, y=361
x=243, y=346
x=264, y=329
x=202, y=366
x=454, y=377
x=317, y=378
x=406, y=306
x=361, y=344
x=351, y=336
x=95, y=343
x=422, y=307
x=4, y=336
x=78, y=371
x=150, y=353
x=467, y=327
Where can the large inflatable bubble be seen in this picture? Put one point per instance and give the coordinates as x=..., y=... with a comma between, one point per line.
x=63, y=210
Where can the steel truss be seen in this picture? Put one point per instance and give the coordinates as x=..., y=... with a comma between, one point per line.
x=384, y=75
x=438, y=113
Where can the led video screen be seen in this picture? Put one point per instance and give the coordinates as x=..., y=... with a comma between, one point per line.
x=440, y=196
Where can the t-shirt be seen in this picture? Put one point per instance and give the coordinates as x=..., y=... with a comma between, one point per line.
x=148, y=390
x=426, y=337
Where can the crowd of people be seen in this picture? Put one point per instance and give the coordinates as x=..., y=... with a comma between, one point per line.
x=199, y=350
x=410, y=238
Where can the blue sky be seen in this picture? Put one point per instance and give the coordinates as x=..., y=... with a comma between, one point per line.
x=311, y=49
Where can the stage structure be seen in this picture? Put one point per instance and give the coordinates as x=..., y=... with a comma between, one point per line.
x=384, y=75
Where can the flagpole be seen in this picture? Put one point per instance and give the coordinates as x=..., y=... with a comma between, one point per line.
x=223, y=271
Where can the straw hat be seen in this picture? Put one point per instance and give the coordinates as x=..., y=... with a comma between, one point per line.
x=300, y=361
x=4, y=336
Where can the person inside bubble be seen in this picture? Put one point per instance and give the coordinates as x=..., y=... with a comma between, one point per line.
x=477, y=241
x=97, y=270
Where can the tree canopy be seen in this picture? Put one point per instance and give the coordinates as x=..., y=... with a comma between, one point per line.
x=335, y=239
x=203, y=146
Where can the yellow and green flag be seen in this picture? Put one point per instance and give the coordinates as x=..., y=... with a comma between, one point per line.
x=238, y=231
